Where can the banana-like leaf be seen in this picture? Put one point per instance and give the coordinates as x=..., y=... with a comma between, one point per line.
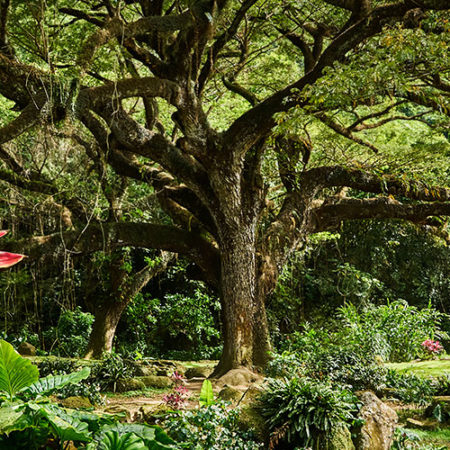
x=65, y=427
x=206, y=394
x=51, y=383
x=16, y=372
x=154, y=437
x=112, y=440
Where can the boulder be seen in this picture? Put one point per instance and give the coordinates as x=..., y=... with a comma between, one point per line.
x=230, y=394
x=339, y=438
x=26, y=349
x=76, y=402
x=250, y=418
x=198, y=372
x=130, y=384
x=239, y=377
x=156, y=381
x=379, y=423
x=152, y=413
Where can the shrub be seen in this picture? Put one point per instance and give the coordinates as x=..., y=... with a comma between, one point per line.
x=71, y=336
x=212, y=427
x=411, y=388
x=394, y=331
x=301, y=411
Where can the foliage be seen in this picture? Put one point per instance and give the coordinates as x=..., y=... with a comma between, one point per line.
x=394, y=331
x=213, y=427
x=29, y=420
x=113, y=368
x=71, y=335
x=177, y=398
x=411, y=388
x=206, y=394
x=16, y=373
x=305, y=409
x=405, y=439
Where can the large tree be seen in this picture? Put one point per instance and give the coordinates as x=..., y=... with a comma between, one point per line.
x=202, y=100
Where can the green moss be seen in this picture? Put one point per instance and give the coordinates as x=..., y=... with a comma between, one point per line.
x=431, y=368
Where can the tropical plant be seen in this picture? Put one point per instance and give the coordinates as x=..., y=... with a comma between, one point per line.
x=213, y=427
x=301, y=411
x=28, y=419
x=8, y=259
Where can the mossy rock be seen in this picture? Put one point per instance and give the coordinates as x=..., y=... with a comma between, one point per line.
x=230, y=394
x=198, y=372
x=239, y=377
x=130, y=384
x=151, y=414
x=340, y=438
x=426, y=425
x=76, y=402
x=250, y=419
x=155, y=381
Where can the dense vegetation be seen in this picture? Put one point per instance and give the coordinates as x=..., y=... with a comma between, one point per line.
x=259, y=183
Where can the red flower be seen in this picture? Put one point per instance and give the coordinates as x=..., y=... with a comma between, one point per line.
x=8, y=259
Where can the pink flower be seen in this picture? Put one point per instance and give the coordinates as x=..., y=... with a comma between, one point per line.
x=8, y=259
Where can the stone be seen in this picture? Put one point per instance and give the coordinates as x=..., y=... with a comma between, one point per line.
x=156, y=381
x=152, y=413
x=251, y=394
x=76, y=402
x=379, y=423
x=339, y=438
x=239, y=377
x=198, y=372
x=26, y=349
x=443, y=401
x=130, y=384
x=427, y=425
x=250, y=418
x=128, y=414
x=230, y=394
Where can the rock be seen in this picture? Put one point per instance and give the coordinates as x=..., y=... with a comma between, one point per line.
x=141, y=370
x=239, y=377
x=427, y=425
x=251, y=419
x=339, y=438
x=76, y=402
x=151, y=413
x=379, y=423
x=251, y=394
x=130, y=384
x=198, y=372
x=230, y=394
x=156, y=381
x=26, y=349
x=129, y=414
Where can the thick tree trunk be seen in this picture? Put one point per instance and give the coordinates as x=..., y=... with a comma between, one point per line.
x=246, y=336
x=107, y=317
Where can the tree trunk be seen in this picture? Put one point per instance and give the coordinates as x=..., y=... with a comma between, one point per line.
x=107, y=317
x=245, y=331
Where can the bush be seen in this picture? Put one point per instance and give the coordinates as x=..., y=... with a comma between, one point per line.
x=411, y=388
x=71, y=335
x=213, y=427
x=301, y=411
x=394, y=331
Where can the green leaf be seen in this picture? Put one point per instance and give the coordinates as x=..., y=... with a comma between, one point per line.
x=66, y=427
x=112, y=440
x=11, y=418
x=49, y=384
x=206, y=394
x=16, y=372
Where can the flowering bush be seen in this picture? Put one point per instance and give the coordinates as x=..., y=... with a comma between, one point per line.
x=178, y=397
x=432, y=347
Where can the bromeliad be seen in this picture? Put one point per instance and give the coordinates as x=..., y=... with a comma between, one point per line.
x=8, y=259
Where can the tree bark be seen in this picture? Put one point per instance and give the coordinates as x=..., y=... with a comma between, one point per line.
x=107, y=317
x=245, y=331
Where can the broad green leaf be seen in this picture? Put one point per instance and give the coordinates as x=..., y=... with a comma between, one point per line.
x=53, y=382
x=112, y=440
x=206, y=394
x=66, y=427
x=16, y=372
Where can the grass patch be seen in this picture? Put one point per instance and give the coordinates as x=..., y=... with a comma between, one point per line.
x=147, y=392
x=439, y=438
x=432, y=368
